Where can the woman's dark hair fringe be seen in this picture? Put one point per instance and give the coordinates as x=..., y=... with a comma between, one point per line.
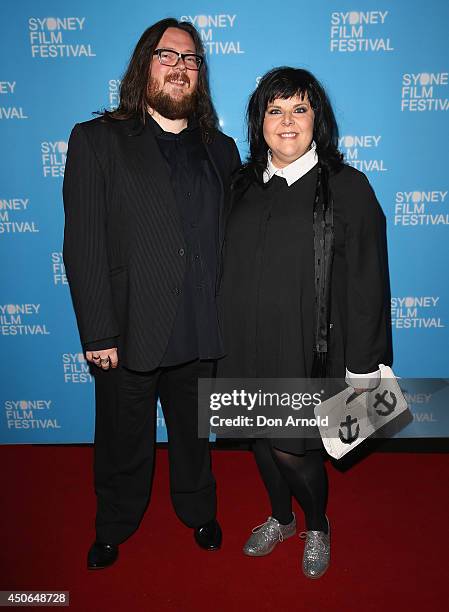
x=285, y=82
x=135, y=80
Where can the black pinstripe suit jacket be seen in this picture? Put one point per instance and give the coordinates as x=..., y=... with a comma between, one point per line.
x=123, y=242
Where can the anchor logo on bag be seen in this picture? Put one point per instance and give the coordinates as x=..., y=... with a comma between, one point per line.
x=389, y=406
x=352, y=436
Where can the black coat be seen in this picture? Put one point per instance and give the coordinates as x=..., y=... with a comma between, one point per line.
x=123, y=241
x=268, y=291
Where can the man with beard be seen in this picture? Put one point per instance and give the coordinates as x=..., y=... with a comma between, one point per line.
x=145, y=189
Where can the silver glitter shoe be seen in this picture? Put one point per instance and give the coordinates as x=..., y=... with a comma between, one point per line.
x=317, y=552
x=265, y=537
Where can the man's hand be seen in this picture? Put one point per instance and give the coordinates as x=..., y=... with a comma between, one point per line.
x=104, y=359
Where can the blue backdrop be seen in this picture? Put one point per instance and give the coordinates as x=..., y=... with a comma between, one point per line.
x=385, y=65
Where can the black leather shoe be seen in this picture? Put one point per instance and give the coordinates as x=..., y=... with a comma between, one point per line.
x=208, y=536
x=101, y=555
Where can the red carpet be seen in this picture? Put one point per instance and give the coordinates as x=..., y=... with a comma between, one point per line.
x=389, y=548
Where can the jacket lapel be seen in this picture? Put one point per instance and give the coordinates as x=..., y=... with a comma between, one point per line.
x=147, y=164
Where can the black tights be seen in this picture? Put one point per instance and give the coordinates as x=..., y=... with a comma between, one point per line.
x=303, y=476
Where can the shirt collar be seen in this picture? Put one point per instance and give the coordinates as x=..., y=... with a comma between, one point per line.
x=192, y=126
x=295, y=170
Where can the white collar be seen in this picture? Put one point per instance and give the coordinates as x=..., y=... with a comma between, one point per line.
x=295, y=170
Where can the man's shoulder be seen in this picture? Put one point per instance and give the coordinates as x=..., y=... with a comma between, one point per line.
x=222, y=139
x=105, y=125
x=92, y=124
x=101, y=133
x=222, y=146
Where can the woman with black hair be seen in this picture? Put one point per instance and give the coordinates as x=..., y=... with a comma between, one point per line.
x=305, y=287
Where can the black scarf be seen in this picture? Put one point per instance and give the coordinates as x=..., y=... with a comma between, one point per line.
x=323, y=238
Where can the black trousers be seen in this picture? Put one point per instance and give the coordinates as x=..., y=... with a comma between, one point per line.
x=125, y=428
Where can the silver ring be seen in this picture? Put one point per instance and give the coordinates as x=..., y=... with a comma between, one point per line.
x=105, y=360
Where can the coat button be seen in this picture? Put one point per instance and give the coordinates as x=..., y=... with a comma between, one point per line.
x=181, y=252
x=176, y=290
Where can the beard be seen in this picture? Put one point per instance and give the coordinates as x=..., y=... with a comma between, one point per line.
x=168, y=106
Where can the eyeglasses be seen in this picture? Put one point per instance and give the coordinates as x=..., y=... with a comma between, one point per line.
x=168, y=57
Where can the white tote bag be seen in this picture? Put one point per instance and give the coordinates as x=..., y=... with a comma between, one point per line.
x=348, y=425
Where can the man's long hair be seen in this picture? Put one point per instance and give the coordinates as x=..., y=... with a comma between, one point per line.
x=286, y=82
x=133, y=88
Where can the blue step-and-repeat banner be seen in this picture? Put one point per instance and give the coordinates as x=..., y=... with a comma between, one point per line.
x=385, y=65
